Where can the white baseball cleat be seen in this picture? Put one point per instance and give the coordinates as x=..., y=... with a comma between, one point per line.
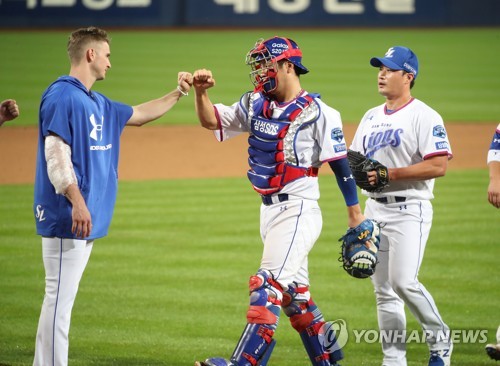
x=441, y=357
x=493, y=350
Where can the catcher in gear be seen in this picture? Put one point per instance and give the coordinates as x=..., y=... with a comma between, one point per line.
x=369, y=174
x=292, y=133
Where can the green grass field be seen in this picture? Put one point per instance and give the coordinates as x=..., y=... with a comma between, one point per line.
x=169, y=283
x=459, y=74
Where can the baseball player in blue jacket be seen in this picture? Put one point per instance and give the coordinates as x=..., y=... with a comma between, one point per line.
x=291, y=134
x=76, y=177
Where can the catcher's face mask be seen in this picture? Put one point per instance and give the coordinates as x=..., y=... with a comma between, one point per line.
x=263, y=59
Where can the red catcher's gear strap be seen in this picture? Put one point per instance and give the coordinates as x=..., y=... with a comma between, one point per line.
x=292, y=173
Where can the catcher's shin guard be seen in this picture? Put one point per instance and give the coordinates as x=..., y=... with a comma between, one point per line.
x=256, y=343
x=308, y=320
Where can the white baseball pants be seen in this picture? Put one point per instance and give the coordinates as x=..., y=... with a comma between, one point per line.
x=289, y=231
x=405, y=229
x=64, y=261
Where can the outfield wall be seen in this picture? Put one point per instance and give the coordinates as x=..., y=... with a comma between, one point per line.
x=258, y=13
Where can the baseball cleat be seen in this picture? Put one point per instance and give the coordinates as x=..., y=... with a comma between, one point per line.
x=493, y=350
x=214, y=361
x=441, y=357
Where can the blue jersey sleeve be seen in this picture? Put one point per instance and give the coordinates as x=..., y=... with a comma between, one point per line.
x=124, y=112
x=495, y=142
x=56, y=113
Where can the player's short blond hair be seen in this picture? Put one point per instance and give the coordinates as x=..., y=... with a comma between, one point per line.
x=80, y=38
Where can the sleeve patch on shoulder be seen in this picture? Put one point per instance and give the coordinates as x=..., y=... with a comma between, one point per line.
x=439, y=131
x=337, y=134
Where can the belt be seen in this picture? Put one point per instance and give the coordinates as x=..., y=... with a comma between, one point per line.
x=389, y=199
x=277, y=198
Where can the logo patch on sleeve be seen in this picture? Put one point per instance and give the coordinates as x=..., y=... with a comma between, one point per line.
x=442, y=145
x=439, y=131
x=337, y=134
x=339, y=148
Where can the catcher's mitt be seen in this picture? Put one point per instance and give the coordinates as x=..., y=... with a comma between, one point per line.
x=359, y=249
x=361, y=165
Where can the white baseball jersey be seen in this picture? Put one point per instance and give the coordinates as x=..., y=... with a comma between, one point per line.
x=315, y=144
x=494, y=151
x=401, y=138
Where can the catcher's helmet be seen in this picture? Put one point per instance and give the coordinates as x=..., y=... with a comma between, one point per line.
x=264, y=56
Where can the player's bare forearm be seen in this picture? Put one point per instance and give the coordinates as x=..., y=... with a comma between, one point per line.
x=82, y=221
x=434, y=167
x=154, y=109
x=494, y=185
x=355, y=216
x=202, y=81
x=205, y=110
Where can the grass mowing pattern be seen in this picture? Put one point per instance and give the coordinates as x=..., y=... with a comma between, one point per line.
x=168, y=285
x=145, y=66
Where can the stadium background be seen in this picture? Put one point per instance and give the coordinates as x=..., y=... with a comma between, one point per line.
x=169, y=283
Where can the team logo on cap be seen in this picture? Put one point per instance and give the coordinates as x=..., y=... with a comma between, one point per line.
x=389, y=52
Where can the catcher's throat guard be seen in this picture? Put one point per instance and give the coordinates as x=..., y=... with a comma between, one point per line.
x=360, y=249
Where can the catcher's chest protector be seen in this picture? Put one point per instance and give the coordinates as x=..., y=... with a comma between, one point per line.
x=272, y=154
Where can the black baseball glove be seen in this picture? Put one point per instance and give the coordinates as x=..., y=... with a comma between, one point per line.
x=361, y=165
x=359, y=249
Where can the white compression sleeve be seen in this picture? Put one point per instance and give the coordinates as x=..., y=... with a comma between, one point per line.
x=59, y=165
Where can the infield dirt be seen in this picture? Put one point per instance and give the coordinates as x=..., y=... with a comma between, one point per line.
x=167, y=152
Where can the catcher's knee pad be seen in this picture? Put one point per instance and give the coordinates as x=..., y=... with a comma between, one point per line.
x=265, y=299
x=308, y=321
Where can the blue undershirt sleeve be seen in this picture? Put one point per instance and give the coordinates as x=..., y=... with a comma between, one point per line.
x=345, y=181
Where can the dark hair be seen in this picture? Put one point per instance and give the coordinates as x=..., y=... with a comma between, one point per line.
x=81, y=37
x=412, y=81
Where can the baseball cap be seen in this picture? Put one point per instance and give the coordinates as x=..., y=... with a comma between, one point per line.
x=285, y=48
x=398, y=58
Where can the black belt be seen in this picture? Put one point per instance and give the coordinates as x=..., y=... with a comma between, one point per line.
x=391, y=199
x=270, y=199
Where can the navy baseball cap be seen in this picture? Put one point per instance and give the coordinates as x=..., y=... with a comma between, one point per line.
x=285, y=48
x=398, y=58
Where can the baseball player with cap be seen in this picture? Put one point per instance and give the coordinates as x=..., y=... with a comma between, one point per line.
x=494, y=166
x=76, y=177
x=291, y=133
x=409, y=138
